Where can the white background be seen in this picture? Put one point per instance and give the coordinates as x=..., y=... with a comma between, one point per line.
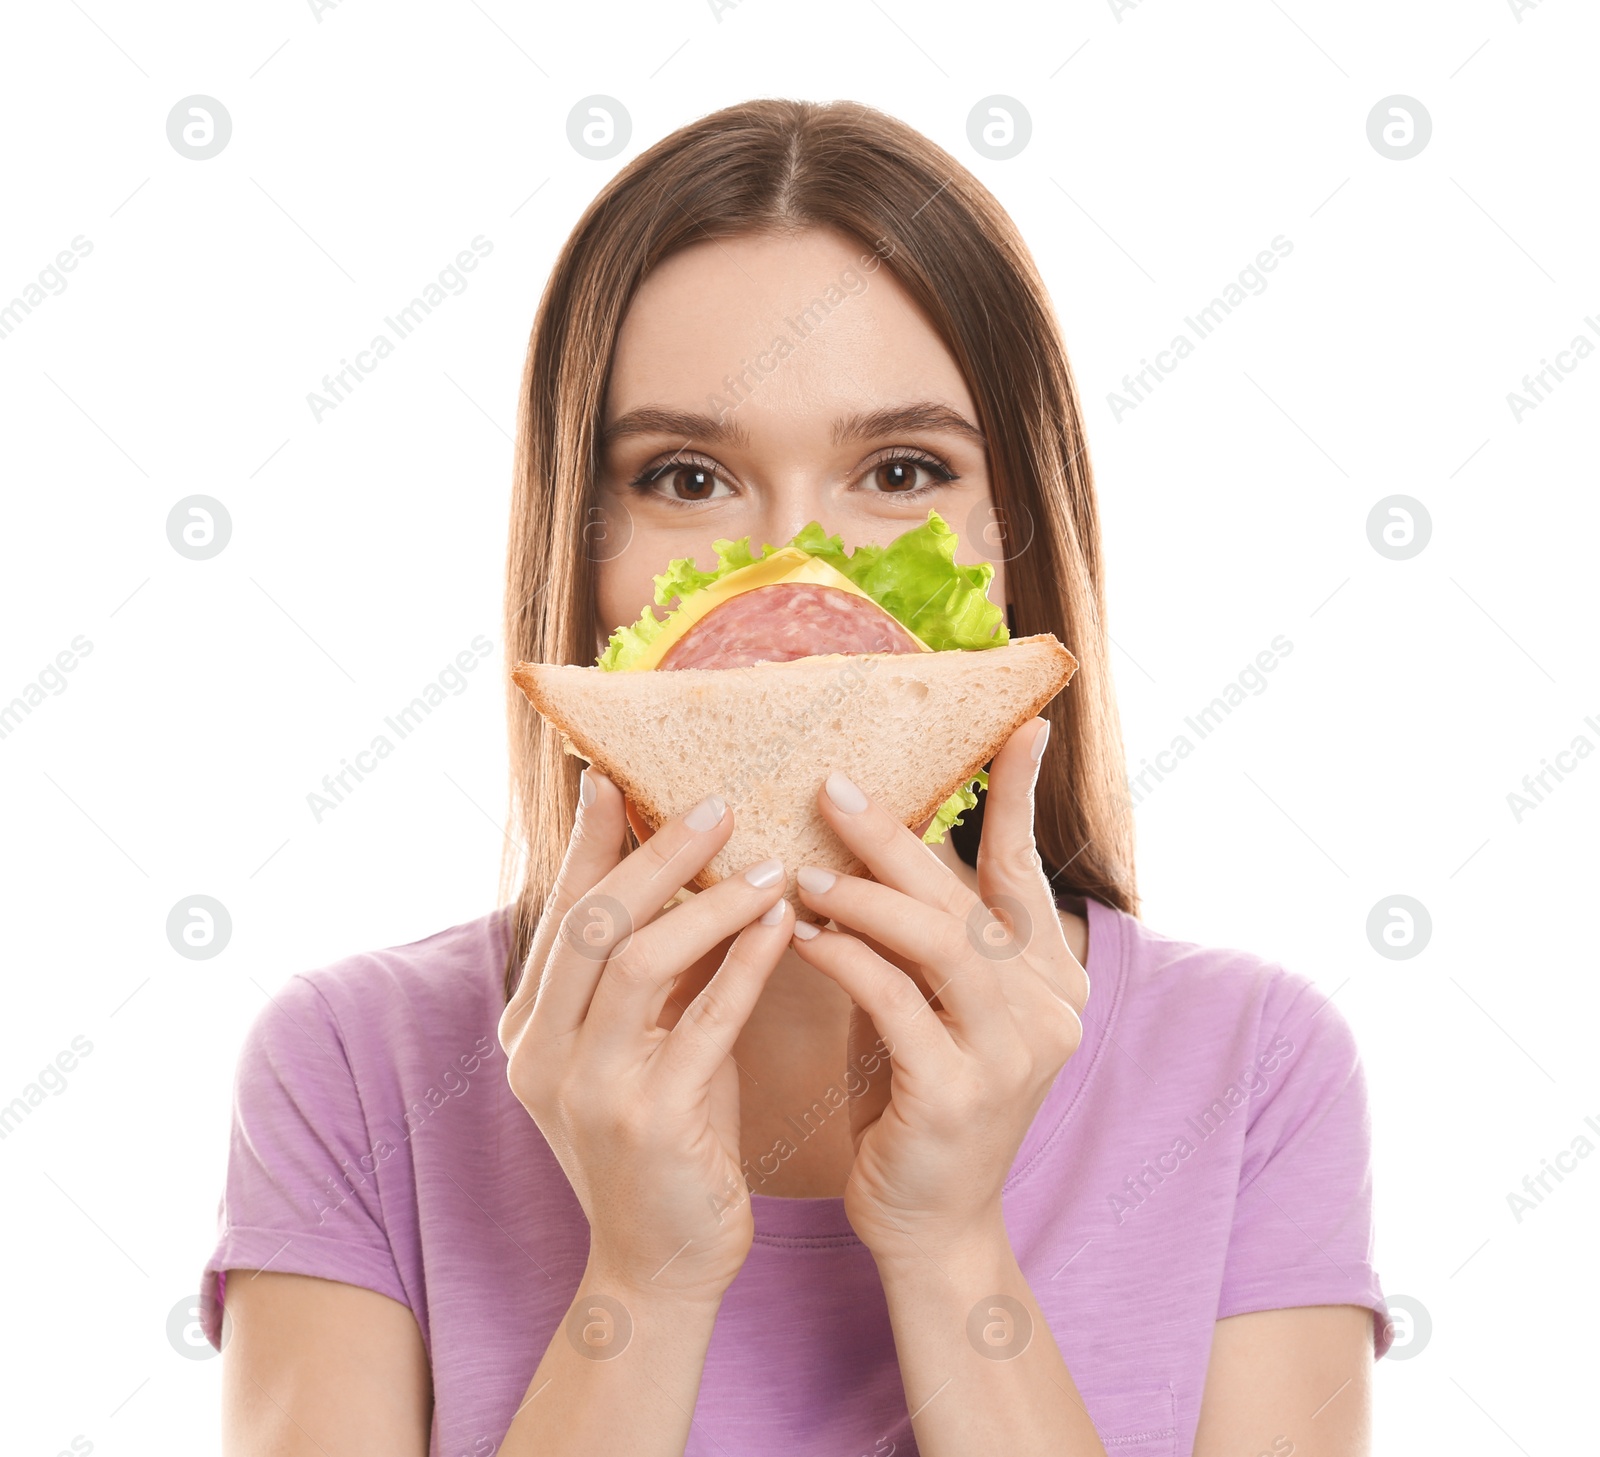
x=1170, y=144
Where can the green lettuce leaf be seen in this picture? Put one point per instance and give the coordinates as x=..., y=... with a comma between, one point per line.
x=914, y=579
x=950, y=812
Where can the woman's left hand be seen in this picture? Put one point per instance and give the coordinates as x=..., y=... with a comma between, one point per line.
x=979, y=1011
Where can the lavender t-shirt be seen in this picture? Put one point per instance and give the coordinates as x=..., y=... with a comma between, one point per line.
x=1204, y=1153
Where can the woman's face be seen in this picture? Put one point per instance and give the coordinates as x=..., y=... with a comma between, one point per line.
x=762, y=382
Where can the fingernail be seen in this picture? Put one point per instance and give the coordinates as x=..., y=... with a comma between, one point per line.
x=1040, y=740
x=814, y=879
x=585, y=789
x=844, y=794
x=804, y=930
x=764, y=874
x=705, y=814
x=773, y=915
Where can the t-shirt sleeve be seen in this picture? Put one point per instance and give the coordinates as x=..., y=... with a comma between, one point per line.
x=300, y=1197
x=1302, y=1225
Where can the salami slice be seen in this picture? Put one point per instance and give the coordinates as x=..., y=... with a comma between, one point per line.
x=785, y=621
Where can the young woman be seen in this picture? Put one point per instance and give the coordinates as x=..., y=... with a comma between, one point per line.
x=724, y=1186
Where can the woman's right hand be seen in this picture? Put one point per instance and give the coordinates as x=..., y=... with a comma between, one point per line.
x=645, y=1120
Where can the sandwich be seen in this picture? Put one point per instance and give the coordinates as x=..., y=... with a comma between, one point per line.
x=888, y=663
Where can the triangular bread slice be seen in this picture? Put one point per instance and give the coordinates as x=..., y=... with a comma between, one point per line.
x=909, y=728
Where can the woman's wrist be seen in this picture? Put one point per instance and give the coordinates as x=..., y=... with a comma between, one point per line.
x=608, y=1277
x=911, y=1259
x=622, y=1371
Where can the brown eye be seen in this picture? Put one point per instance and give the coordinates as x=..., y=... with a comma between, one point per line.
x=693, y=483
x=682, y=483
x=896, y=475
x=687, y=482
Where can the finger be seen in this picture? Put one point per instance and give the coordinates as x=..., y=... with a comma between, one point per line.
x=917, y=1043
x=600, y=921
x=639, y=975
x=710, y=1025
x=959, y=976
x=1011, y=877
x=905, y=963
x=594, y=850
x=888, y=849
x=1008, y=859
x=869, y=1061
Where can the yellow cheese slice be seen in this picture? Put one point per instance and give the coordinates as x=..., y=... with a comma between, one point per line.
x=789, y=564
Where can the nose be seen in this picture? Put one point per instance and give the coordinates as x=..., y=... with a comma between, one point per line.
x=787, y=506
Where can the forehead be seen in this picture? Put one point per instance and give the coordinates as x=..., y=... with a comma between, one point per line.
x=784, y=326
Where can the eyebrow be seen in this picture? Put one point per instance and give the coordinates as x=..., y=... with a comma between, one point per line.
x=724, y=430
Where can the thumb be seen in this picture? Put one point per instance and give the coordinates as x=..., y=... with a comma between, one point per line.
x=594, y=849
x=1008, y=858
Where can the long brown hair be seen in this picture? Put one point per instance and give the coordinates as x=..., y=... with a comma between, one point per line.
x=780, y=166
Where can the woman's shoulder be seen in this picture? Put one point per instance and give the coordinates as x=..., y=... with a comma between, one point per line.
x=1161, y=976
x=424, y=999
x=445, y=961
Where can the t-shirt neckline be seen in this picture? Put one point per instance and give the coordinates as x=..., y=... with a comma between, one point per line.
x=799, y=1223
